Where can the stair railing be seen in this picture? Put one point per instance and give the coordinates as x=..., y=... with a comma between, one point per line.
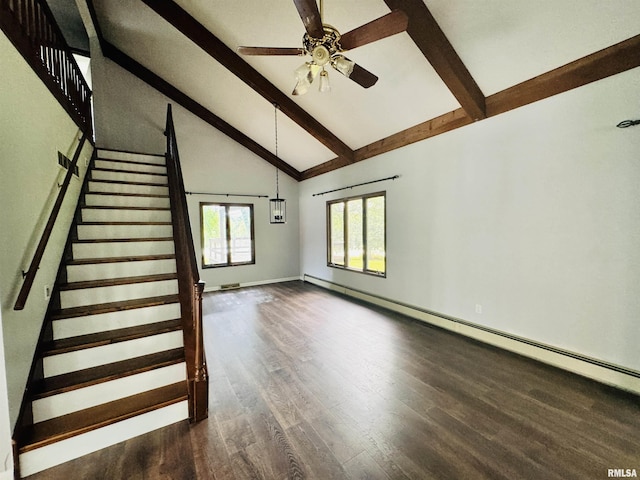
x=190, y=286
x=30, y=274
x=31, y=27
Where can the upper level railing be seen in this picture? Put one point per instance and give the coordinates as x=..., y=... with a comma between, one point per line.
x=189, y=285
x=31, y=27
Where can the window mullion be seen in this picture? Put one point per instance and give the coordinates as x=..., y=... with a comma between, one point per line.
x=228, y=232
x=345, y=221
x=364, y=235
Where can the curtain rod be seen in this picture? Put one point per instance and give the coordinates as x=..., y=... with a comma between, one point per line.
x=357, y=185
x=228, y=194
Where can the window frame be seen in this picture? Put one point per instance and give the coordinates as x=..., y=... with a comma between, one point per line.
x=345, y=233
x=227, y=231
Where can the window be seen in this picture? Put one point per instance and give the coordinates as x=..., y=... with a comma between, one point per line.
x=227, y=234
x=356, y=233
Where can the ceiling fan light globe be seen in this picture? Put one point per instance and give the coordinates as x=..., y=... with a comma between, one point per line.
x=302, y=71
x=343, y=65
x=325, y=86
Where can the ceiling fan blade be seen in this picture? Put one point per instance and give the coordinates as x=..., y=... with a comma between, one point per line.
x=353, y=71
x=385, y=26
x=310, y=15
x=270, y=51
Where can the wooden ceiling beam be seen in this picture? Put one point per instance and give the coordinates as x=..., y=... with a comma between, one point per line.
x=610, y=61
x=434, y=45
x=164, y=87
x=213, y=46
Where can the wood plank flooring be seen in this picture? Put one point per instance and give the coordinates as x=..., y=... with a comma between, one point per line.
x=306, y=384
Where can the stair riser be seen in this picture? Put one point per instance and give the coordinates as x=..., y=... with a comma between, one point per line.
x=110, y=232
x=73, y=401
x=130, y=167
x=128, y=177
x=97, y=271
x=127, y=188
x=124, y=215
x=117, y=293
x=121, y=249
x=92, y=357
x=78, y=446
x=125, y=201
x=71, y=327
x=130, y=157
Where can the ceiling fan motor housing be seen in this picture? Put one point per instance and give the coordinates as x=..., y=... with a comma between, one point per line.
x=322, y=49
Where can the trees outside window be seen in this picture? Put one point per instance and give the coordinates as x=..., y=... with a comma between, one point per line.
x=227, y=234
x=356, y=233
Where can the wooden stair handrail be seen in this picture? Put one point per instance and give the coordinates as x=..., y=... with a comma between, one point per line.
x=30, y=274
x=190, y=287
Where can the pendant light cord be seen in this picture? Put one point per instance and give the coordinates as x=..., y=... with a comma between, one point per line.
x=275, y=116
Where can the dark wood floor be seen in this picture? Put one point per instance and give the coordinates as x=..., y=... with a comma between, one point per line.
x=306, y=384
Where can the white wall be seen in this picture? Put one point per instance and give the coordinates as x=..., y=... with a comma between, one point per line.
x=532, y=214
x=130, y=115
x=34, y=128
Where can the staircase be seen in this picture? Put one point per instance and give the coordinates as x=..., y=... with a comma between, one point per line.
x=111, y=362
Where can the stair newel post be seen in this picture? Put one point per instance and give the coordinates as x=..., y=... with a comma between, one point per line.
x=199, y=384
x=190, y=287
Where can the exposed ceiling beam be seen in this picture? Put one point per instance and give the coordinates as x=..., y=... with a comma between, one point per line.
x=208, y=42
x=610, y=61
x=194, y=107
x=430, y=39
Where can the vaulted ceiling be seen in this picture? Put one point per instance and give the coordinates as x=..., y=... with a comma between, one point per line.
x=459, y=61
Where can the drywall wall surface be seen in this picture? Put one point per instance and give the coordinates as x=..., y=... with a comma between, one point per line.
x=130, y=115
x=34, y=129
x=526, y=223
x=214, y=164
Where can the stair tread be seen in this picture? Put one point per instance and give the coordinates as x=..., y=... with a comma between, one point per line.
x=135, y=172
x=123, y=194
x=119, y=207
x=83, y=421
x=91, y=340
x=110, y=282
x=139, y=258
x=92, y=376
x=146, y=184
x=124, y=223
x=113, y=306
x=131, y=161
x=124, y=240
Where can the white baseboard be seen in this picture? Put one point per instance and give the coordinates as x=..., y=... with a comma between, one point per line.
x=215, y=288
x=603, y=372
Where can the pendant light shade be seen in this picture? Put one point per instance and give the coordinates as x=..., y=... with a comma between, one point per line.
x=278, y=210
x=277, y=206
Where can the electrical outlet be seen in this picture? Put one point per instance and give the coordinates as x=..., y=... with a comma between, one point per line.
x=478, y=309
x=47, y=292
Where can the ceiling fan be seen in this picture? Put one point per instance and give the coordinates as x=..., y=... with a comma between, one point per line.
x=325, y=46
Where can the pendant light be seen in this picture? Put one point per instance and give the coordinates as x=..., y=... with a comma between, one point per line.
x=277, y=206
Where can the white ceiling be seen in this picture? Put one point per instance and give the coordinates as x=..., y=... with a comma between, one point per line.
x=501, y=42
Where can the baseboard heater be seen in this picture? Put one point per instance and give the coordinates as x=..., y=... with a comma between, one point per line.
x=603, y=372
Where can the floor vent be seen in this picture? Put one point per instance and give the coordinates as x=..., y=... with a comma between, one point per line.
x=229, y=286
